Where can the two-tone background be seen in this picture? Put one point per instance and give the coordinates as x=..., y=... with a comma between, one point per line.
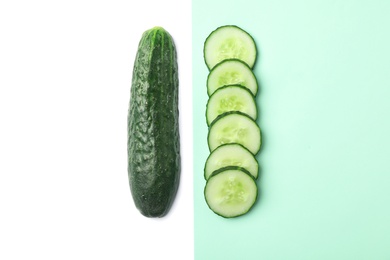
x=324, y=110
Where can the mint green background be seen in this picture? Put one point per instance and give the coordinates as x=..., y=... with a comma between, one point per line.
x=324, y=103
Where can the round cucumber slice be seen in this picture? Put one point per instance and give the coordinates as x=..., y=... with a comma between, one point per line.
x=230, y=98
x=234, y=127
x=229, y=72
x=231, y=155
x=228, y=42
x=230, y=192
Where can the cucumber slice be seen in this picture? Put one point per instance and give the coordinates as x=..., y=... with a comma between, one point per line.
x=230, y=98
x=229, y=72
x=230, y=192
x=234, y=127
x=231, y=155
x=228, y=42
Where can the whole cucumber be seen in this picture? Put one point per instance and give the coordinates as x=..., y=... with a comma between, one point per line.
x=153, y=125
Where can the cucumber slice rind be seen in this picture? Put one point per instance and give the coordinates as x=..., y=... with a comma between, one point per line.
x=231, y=167
x=241, y=154
x=237, y=92
x=216, y=38
x=232, y=195
x=252, y=145
x=247, y=77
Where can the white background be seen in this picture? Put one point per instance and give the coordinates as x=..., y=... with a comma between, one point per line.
x=65, y=74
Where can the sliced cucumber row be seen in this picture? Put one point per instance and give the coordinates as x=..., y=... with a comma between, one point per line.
x=234, y=138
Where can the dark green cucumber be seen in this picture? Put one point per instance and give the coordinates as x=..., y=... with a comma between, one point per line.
x=153, y=125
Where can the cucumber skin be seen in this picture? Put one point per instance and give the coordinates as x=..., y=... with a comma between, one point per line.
x=231, y=168
x=222, y=169
x=153, y=125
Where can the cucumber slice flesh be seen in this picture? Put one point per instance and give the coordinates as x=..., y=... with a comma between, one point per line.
x=231, y=192
x=234, y=127
x=228, y=42
x=230, y=98
x=231, y=155
x=229, y=72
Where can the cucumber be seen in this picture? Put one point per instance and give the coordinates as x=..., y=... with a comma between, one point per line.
x=231, y=71
x=230, y=98
x=228, y=42
x=231, y=155
x=230, y=192
x=234, y=138
x=234, y=127
x=153, y=125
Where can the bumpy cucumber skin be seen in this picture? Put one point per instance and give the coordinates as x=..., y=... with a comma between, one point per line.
x=153, y=125
x=226, y=169
x=204, y=50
